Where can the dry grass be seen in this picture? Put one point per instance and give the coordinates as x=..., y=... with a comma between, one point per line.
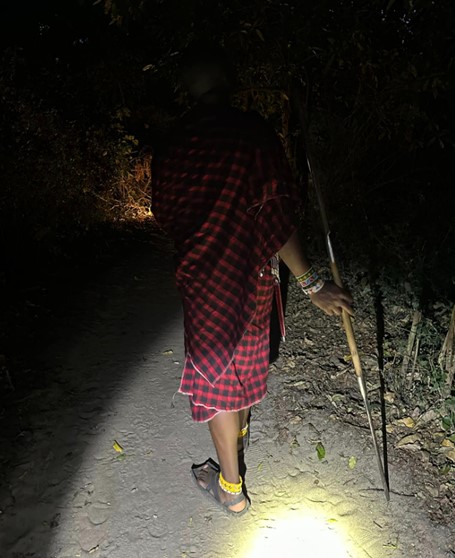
x=131, y=195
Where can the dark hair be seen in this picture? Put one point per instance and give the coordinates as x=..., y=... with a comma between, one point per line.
x=207, y=52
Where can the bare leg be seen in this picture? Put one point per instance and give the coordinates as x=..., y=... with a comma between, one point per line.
x=243, y=416
x=224, y=428
x=243, y=419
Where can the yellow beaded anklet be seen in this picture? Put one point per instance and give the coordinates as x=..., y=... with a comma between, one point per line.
x=243, y=432
x=230, y=487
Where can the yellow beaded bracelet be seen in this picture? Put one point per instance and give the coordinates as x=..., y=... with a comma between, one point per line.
x=230, y=487
x=243, y=432
x=305, y=275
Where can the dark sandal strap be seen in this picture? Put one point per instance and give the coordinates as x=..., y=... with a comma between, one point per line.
x=215, y=488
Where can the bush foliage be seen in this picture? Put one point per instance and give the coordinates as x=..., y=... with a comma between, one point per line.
x=85, y=86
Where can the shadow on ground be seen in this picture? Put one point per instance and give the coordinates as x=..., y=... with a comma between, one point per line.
x=99, y=338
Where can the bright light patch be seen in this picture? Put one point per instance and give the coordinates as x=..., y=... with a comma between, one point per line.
x=297, y=535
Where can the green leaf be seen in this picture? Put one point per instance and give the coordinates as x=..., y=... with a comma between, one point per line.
x=446, y=423
x=321, y=450
x=445, y=469
x=352, y=462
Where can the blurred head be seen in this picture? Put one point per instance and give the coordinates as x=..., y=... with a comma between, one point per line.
x=206, y=71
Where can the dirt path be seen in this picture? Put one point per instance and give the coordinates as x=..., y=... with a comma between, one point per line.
x=115, y=363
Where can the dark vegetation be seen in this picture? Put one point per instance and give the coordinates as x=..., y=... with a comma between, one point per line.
x=87, y=90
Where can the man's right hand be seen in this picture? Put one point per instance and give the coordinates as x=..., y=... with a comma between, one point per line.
x=332, y=300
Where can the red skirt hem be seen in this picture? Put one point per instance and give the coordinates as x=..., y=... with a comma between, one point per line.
x=244, y=382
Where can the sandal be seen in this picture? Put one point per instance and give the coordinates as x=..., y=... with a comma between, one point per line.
x=212, y=490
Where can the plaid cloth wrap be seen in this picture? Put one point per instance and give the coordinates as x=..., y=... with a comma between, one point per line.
x=224, y=192
x=244, y=382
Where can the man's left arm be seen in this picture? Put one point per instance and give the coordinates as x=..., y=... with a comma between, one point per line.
x=330, y=298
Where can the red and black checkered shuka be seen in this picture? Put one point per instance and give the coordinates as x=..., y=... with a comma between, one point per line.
x=224, y=192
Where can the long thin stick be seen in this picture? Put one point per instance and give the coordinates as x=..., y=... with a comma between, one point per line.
x=416, y=319
x=447, y=356
x=347, y=323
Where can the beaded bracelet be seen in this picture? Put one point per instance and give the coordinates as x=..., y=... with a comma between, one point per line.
x=314, y=287
x=304, y=283
x=230, y=487
x=310, y=282
x=305, y=275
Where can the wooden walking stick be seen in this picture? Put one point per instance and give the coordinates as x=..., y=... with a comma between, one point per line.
x=347, y=323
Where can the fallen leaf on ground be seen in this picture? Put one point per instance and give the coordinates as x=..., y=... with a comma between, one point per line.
x=410, y=439
x=408, y=421
x=352, y=462
x=451, y=455
x=320, y=450
x=168, y=352
x=117, y=446
x=447, y=443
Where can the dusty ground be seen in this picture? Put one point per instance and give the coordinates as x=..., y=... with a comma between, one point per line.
x=112, y=368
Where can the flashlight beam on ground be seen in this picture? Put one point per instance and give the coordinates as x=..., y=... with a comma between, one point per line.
x=296, y=534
